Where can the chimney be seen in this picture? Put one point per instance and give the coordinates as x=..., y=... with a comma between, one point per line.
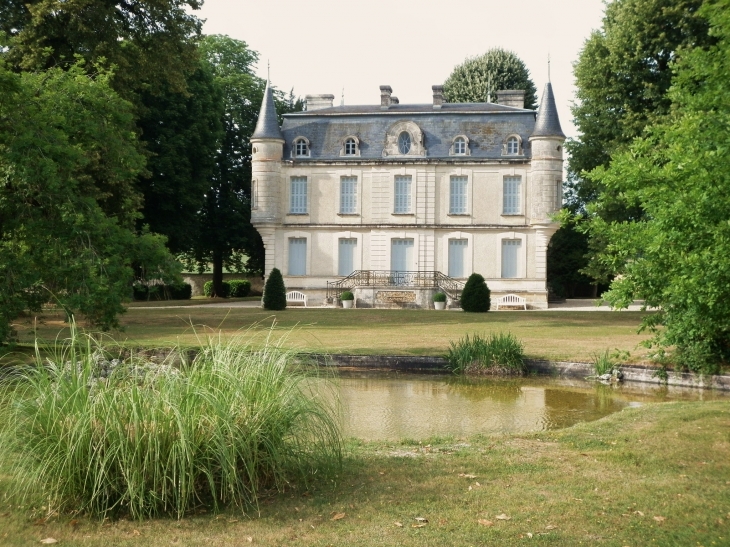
x=385, y=96
x=438, y=95
x=511, y=97
x=394, y=100
x=317, y=102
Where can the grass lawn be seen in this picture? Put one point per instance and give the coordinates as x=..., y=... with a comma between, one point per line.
x=557, y=335
x=654, y=475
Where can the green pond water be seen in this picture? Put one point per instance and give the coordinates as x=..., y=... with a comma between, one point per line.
x=392, y=406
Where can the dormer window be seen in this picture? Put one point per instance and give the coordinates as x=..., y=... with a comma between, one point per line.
x=404, y=142
x=301, y=147
x=459, y=146
x=512, y=146
x=350, y=146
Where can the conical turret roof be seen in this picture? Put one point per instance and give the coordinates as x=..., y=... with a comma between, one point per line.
x=267, y=126
x=548, y=123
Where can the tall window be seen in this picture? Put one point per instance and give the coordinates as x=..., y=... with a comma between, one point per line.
x=298, y=201
x=513, y=146
x=350, y=147
x=401, y=255
x=511, y=196
x=459, y=146
x=348, y=195
x=346, y=256
x=457, y=196
x=404, y=142
x=301, y=148
x=510, y=257
x=402, y=194
x=297, y=256
x=254, y=194
x=457, y=255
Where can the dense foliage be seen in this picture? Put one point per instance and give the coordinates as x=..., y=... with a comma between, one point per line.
x=476, y=295
x=90, y=431
x=68, y=162
x=173, y=291
x=676, y=256
x=275, y=291
x=478, y=79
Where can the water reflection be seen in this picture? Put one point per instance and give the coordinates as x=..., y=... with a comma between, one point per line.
x=397, y=406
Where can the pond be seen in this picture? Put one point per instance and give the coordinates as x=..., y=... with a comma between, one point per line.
x=392, y=406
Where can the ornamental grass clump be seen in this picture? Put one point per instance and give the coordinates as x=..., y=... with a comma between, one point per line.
x=84, y=432
x=500, y=353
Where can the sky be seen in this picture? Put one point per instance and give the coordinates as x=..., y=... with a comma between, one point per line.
x=319, y=46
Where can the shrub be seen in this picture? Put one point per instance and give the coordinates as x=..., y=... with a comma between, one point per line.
x=495, y=354
x=439, y=297
x=275, y=291
x=208, y=289
x=239, y=288
x=87, y=433
x=174, y=291
x=347, y=295
x=179, y=291
x=475, y=296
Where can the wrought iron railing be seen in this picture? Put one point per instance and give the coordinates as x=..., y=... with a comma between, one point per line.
x=394, y=278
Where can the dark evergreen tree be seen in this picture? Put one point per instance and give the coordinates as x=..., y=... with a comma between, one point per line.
x=475, y=296
x=275, y=291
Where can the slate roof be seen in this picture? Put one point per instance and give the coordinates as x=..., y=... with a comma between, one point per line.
x=486, y=125
x=267, y=126
x=548, y=123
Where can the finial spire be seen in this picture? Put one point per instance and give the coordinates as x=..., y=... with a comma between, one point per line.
x=268, y=71
x=547, y=123
x=342, y=101
x=489, y=88
x=267, y=126
x=549, y=66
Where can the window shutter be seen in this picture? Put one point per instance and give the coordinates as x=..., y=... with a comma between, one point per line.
x=348, y=195
x=457, y=196
x=510, y=257
x=511, y=197
x=402, y=194
x=457, y=253
x=346, y=257
x=298, y=203
x=298, y=256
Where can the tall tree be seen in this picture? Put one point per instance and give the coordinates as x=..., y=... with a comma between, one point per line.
x=68, y=161
x=478, y=79
x=226, y=236
x=149, y=42
x=676, y=256
x=181, y=132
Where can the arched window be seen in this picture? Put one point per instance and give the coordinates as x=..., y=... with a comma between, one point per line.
x=513, y=146
x=459, y=146
x=301, y=147
x=404, y=142
x=350, y=147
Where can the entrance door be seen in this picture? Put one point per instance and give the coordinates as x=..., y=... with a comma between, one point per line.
x=401, y=259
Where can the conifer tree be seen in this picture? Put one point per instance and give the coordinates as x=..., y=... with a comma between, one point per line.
x=475, y=296
x=275, y=291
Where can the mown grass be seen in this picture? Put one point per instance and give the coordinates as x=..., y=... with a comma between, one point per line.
x=554, y=335
x=655, y=475
x=96, y=430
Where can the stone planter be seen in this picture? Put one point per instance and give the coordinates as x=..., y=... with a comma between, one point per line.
x=347, y=304
x=439, y=305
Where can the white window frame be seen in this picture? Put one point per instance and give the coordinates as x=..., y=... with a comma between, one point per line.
x=303, y=142
x=458, y=195
x=410, y=143
x=353, y=258
x=512, y=195
x=450, y=243
x=518, y=244
x=508, y=150
x=348, y=195
x=414, y=258
x=402, y=200
x=298, y=196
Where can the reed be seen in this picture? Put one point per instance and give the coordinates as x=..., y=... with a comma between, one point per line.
x=497, y=353
x=86, y=432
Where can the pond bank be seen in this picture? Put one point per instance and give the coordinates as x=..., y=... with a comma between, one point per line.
x=632, y=373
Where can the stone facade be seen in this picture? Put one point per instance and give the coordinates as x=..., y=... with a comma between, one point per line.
x=484, y=175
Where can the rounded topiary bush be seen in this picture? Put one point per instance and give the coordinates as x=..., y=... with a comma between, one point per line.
x=275, y=291
x=347, y=295
x=475, y=296
x=239, y=287
x=439, y=297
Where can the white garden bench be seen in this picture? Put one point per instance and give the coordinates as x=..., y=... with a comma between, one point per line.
x=296, y=297
x=511, y=300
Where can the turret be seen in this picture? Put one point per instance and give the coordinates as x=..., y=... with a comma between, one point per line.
x=546, y=176
x=267, y=151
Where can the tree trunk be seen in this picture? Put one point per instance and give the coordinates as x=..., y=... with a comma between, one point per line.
x=218, y=274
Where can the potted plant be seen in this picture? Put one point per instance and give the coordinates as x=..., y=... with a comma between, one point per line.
x=347, y=299
x=439, y=301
